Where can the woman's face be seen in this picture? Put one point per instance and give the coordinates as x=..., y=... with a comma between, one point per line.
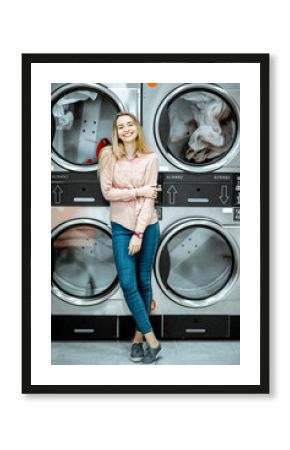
x=127, y=130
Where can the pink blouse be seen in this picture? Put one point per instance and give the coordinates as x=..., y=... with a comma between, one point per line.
x=118, y=186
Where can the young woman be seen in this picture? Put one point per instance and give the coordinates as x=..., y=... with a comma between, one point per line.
x=128, y=176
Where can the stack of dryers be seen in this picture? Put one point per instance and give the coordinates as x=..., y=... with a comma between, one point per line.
x=86, y=297
x=195, y=130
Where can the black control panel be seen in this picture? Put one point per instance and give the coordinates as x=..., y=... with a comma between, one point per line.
x=76, y=189
x=178, y=189
x=198, y=190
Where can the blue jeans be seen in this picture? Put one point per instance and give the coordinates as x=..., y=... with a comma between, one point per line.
x=134, y=271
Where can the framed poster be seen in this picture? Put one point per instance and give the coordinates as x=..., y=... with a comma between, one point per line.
x=206, y=121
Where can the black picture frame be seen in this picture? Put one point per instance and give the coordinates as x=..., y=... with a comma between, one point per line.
x=263, y=61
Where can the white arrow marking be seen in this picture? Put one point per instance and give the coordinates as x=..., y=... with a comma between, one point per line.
x=171, y=191
x=57, y=194
x=224, y=195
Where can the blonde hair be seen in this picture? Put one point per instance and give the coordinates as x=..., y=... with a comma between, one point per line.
x=111, y=153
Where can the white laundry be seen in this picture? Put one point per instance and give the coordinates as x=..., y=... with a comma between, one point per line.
x=201, y=126
x=78, y=126
x=64, y=118
x=77, y=96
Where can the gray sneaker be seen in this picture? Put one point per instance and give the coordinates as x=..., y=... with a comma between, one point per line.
x=137, y=352
x=151, y=355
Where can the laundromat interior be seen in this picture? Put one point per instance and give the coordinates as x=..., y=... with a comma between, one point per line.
x=195, y=131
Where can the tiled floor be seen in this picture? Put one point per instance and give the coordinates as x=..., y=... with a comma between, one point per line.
x=173, y=352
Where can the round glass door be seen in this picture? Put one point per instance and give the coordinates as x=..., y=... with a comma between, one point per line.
x=81, y=115
x=83, y=269
x=197, y=263
x=197, y=127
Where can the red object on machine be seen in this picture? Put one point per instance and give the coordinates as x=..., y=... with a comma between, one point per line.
x=103, y=142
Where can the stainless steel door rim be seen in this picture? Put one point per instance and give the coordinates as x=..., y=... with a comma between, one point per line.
x=191, y=222
x=210, y=166
x=66, y=89
x=75, y=300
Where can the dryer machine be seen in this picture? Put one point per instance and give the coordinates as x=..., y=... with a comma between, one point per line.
x=81, y=115
x=196, y=283
x=195, y=127
x=86, y=297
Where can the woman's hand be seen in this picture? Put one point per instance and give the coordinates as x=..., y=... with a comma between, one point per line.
x=134, y=245
x=149, y=191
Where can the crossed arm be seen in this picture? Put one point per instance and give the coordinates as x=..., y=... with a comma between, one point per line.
x=111, y=193
x=114, y=194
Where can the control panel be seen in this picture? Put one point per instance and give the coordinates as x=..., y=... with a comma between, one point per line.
x=178, y=189
x=75, y=189
x=188, y=190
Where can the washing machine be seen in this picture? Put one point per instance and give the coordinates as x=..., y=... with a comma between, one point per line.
x=82, y=115
x=85, y=293
x=194, y=127
x=196, y=283
x=87, y=302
